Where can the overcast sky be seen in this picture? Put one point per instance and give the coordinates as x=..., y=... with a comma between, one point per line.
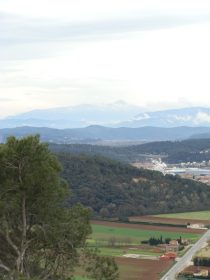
x=153, y=53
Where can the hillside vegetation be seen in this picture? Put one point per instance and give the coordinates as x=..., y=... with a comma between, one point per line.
x=172, y=152
x=113, y=189
x=96, y=133
x=39, y=237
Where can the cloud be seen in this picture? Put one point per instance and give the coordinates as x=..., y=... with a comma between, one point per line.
x=183, y=118
x=4, y=99
x=24, y=38
x=19, y=30
x=202, y=117
x=150, y=56
x=143, y=116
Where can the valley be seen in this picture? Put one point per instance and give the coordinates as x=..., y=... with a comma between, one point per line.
x=125, y=242
x=104, y=140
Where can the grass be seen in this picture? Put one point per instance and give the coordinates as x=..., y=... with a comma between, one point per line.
x=201, y=215
x=205, y=252
x=119, y=252
x=183, y=252
x=130, y=271
x=79, y=274
x=81, y=278
x=101, y=232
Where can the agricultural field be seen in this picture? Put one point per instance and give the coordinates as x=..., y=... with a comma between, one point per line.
x=204, y=253
x=175, y=220
x=190, y=270
x=133, y=269
x=137, y=233
x=201, y=215
x=123, y=241
x=119, y=251
x=137, y=269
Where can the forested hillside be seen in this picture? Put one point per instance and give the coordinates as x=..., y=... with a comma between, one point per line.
x=172, y=152
x=99, y=134
x=113, y=189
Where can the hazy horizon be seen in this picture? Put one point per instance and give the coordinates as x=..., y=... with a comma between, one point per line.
x=118, y=103
x=152, y=54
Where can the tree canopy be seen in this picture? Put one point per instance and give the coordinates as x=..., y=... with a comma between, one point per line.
x=171, y=151
x=39, y=237
x=113, y=189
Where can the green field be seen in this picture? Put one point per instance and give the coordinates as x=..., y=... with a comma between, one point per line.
x=119, y=252
x=128, y=241
x=101, y=232
x=201, y=215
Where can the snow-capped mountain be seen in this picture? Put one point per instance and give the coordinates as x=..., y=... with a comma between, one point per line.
x=194, y=116
x=75, y=116
x=118, y=114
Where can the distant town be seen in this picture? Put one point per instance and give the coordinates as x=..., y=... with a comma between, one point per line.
x=199, y=171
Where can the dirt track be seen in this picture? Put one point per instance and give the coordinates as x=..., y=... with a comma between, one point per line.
x=148, y=227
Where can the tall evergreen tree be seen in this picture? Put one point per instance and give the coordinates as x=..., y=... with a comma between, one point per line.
x=39, y=237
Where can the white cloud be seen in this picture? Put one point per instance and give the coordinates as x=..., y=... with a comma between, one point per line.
x=143, y=116
x=202, y=117
x=97, y=9
x=183, y=118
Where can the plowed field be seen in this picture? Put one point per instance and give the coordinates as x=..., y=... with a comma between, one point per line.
x=148, y=227
x=175, y=221
x=133, y=269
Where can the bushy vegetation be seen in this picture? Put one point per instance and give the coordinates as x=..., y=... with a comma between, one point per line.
x=153, y=241
x=201, y=261
x=39, y=237
x=172, y=151
x=112, y=189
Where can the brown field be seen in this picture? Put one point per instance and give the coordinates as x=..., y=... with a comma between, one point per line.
x=135, y=269
x=166, y=220
x=148, y=227
x=194, y=269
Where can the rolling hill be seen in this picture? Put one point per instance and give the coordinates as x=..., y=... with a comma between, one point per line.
x=95, y=133
x=113, y=189
x=190, y=150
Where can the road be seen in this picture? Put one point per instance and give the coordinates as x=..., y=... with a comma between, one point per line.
x=186, y=259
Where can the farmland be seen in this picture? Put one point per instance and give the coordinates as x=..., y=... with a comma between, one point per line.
x=204, y=252
x=138, y=233
x=137, y=269
x=132, y=269
x=201, y=215
x=120, y=251
x=123, y=241
x=175, y=220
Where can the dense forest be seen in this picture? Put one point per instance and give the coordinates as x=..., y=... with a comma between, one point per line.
x=96, y=133
x=171, y=152
x=112, y=189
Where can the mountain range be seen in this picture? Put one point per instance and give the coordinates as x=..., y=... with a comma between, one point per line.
x=118, y=114
x=98, y=134
x=193, y=116
x=74, y=116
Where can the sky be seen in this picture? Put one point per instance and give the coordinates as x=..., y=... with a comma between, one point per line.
x=151, y=53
